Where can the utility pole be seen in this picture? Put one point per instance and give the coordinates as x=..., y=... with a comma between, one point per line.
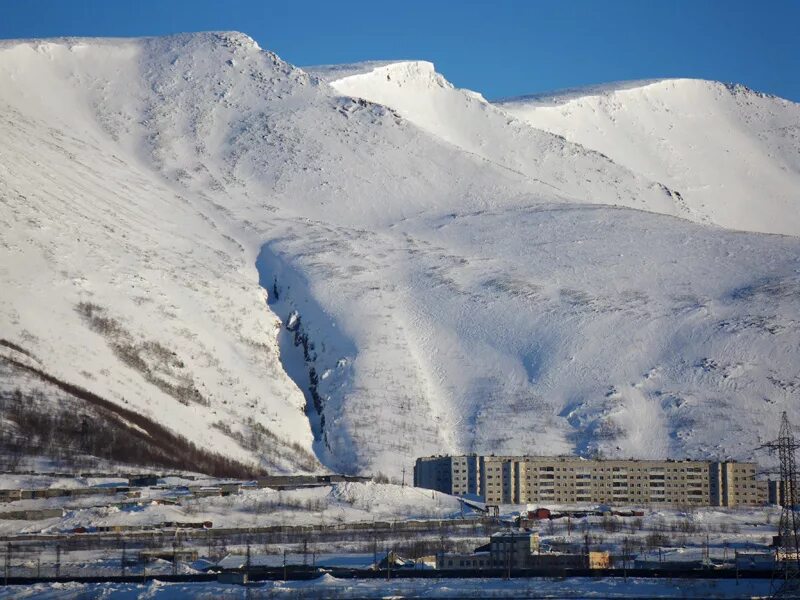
x=247, y=561
x=626, y=548
x=123, y=560
x=8, y=561
x=511, y=554
x=586, y=547
x=507, y=574
x=388, y=565
x=284, y=565
x=404, y=478
x=174, y=559
x=788, y=551
x=374, y=546
x=58, y=560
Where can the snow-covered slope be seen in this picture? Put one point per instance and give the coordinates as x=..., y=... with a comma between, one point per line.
x=200, y=232
x=115, y=281
x=463, y=118
x=733, y=154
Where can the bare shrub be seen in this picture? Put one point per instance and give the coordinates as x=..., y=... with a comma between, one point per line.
x=149, y=358
x=87, y=422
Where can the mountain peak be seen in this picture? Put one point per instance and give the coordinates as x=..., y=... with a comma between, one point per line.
x=418, y=74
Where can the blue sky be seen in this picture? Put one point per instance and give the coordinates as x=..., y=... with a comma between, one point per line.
x=500, y=48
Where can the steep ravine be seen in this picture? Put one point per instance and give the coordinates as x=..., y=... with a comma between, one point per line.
x=315, y=354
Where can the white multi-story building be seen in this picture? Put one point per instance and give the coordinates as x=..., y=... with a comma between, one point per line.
x=569, y=480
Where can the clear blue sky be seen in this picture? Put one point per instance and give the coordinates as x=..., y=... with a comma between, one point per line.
x=500, y=48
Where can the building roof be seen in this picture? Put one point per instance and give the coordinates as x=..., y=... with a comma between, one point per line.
x=513, y=533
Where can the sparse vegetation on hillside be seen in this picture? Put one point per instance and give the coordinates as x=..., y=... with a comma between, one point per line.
x=80, y=422
x=159, y=365
x=262, y=441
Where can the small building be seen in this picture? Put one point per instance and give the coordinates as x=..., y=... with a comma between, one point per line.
x=396, y=561
x=513, y=548
x=10, y=495
x=205, y=491
x=232, y=578
x=539, y=514
x=34, y=514
x=520, y=549
x=179, y=554
x=226, y=489
x=558, y=560
x=782, y=555
x=467, y=561
x=599, y=559
x=143, y=480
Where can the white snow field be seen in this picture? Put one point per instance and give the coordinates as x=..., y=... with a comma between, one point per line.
x=330, y=587
x=733, y=154
x=385, y=266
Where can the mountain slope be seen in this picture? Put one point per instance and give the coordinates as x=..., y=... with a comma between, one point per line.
x=228, y=245
x=140, y=178
x=112, y=280
x=463, y=118
x=733, y=154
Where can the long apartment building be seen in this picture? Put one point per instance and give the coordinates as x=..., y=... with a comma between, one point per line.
x=569, y=480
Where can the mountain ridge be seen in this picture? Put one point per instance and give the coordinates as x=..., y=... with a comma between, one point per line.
x=566, y=94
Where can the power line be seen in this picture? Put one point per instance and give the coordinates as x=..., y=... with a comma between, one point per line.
x=788, y=541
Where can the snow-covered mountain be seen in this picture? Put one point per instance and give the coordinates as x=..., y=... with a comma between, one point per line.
x=733, y=154
x=465, y=120
x=366, y=264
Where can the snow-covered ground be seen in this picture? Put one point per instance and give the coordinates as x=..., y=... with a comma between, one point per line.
x=668, y=535
x=340, y=503
x=453, y=278
x=19, y=481
x=680, y=535
x=330, y=587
